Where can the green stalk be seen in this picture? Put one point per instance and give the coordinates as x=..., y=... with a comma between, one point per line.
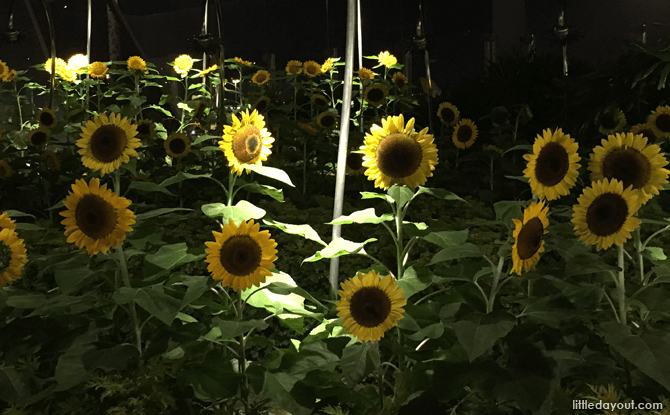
x=494, y=286
x=621, y=287
x=399, y=215
x=183, y=110
x=243, y=356
x=232, y=177
x=639, y=248
x=18, y=106
x=99, y=96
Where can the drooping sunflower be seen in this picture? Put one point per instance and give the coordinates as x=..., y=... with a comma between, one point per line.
x=96, y=218
x=354, y=165
x=135, y=63
x=241, y=257
x=326, y=119
x=5, y=169
x=59, y=64
x=262, y=104
x=386, y=59
x=552, y=167
x=209, y=70
x=365, y=73
x=38, y=136
x=320, y=101
x=311, y=69
x=628, y=158
x=12, y=256
x=528, y=234
x=659, y=120
x=6, y=222
x=293, y=67
x=9, y=76
x=261, y=77
x=610, y=121
x=327, y=65
x=183, y=64
x=47, y=117
x=448, y=113
x=375, y=94
x=370, y=305
x=400, y=81
x=395, y=154
x=77, y=62
x=51, y=160
x=247, y=141
x=145, y=129
x=107, y=142
x=465, y=133
x=242, y=61
x=604, y=214
x=98, y=70
x=4, y=69
x=646, y=130
x=177, y=145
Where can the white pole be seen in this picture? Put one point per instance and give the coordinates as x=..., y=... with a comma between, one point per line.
x=88, y=38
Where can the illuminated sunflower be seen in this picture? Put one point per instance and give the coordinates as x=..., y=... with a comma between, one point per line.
x=552, y=167
x=5, y=169
x=47, y=117
x=610, y=121
x=326, y=119
x=51, y=160
x=9, y=76
x=77, y=62
x=60, y=63
x=261, y=104
x=375, y=94
x=4, y=69
x=242, y=61
x=96, y=218
x=38, y=136
x=370, y=305
x=12, y=256
x=247, y=141
x=396, y=154
x=311, y=69
x=209, y=70
x=135, y=63
x=628, y=158
x=386, y=59
x=145, y=129
x=659, y=120
x=6, y=222
x=528, y=234
x=107, y=142
x=604, y=214
x=241, y=257
x=320, y=101
x=293, y=67
x=177, y=145
x=400, y=81
x=646, y=130
x=98, y=70
x=183, y=64
x=354, y=165
x=261, y=77
x=365, y=73
x=327, y=65
x=67, y=73
x=465, y=133
x=448, y=113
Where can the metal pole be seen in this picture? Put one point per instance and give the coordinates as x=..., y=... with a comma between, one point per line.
x=359, y=25
x=52, y=35
x=204, y=32
x=88, y=33
x=344, y=138
x=36, y=26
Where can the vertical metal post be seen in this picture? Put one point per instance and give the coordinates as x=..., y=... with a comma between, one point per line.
x=204, y=32
x=88, y=33
x=359, y=25
x=344, y=138
x=52, y=37
x=561, y=32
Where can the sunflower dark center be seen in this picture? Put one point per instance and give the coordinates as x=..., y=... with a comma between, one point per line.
x=260, y=78
x=552, y=164
x=607, y=214
x=320, y=101
x=95, y=216
x=628, y=165
x=5, y=256
x=663, y=123
x=399, y=156
x=38, y=138
x=649, y=135
x=143, y=130
x=327, y=120
x=311, y=69
x=529, y=239
x=464, y=133
x=177, y=145
x=608, y=121
x=354, y=161
x=240, y=255
x=108, y=143
x=375, y=95
x=247, y=143
x=447, y=115
x=400, y=82
x=370, y=306
x=46, y=119
x=261, y=105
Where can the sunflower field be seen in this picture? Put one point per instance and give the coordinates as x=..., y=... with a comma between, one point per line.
x=166, y=233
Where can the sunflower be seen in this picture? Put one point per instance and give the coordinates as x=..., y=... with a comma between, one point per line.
x=320, y=101
x=604, y=214
x=67, y=74
x=177, y=145
x=135, y=63
x=365, y=73
x=47, y=117
x=370, y=305
x=247, y=141
x=261, y=77
x=326, y=119
x=308, y=128
x=293, y=67
x=60, y=63
x=183, y=64
x=646, y=130
x=311, y=69
x=5, y=169
x=659, y=120
x=107, y=142
x=327, y=65
x=552, y=168
x=448, y=113
x=4, y=69
x=145, y=129
x=395, y=154
x=6, y=222
x=386, y=59
x=241, y=257
x=375, y=94
x=12, y=256
x=400, y=81
x=628, y=158
x=261, y=104
x=528, y=233
x=465, y=133
x=610, y=121
x=96, y=218
x=209, y=70
x=242, y=61
x=98, y=70
x=78, y=61
x=38, y=136
x=9, y=76
x=51, y=160
x=494, y=149
x=354, y=163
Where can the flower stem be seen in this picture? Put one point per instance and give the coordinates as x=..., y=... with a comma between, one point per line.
x=621, y=287
x=494, y=286
x=242, y=360
x=18, y=107
x=640, y=259
x=232, y=177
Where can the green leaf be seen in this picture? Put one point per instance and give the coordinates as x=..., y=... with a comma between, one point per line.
x=249, y=210
x=197, y=285
x=181, y=176
x=115, y=358
x=28, y=301
x=12, y=387
x=478, y=332
x=359, y=360
x=163, y=110
x=362, y=216
x=439, y=193
x=507, y=210
x=18, y=214
x=70, y=370
x=158, y=212
x=305, y=231
x=465, y=250
x=655, y=253
x=587, y=264
x=273, y=192
x=433, y=331
x=271, y=172
x=339, y=247
x=149, y=187
x=231, y=329
x=526, y=147
x=172, y=256
x=446, y=239
x=152, y=299
x=663, y=76
x=401, y=195
x=414, y=280
x=372, y=195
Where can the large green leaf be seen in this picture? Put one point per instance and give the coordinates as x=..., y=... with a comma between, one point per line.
x=181, y=176
x=12, y=387
x=445, y=239
x=478, y=332
x=465, y=250
x=507, y=210
x=153, y=299
x=439, y=193
x=373, y=195
x=359, y=360
x=70, y=369
x=239, y=213
x=362, y=216
x=587, y=264
x=273, y=192
x=414, y=280
x=158, y=212
x=401, y=195
x=305, y=231
x=149, y=187
x=339, y=247
x=115, y=358
x=172, y=256
x=250, y=210
x=231, y=329
x=270, y=172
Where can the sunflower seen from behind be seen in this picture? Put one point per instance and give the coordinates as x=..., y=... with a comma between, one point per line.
x=395, y=154
x=246, y=141
x=528, y=237
x=448, y=113
x=370, y=305
x=465, y=134
x=552, y=168
x=107, y=142
x=659, y=120
x=96, y=218
x=12, y=256
x=177, y=145
x=241, y=257
x=604, y=215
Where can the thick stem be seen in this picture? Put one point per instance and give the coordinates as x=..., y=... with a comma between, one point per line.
x=621, y=286
x=494, y=286
x=183, y=110
x=242, y=360
x=640, y=258
x=400, y=213
x=133, y=313
x=304, y=167
x=18, y=107
x=231, y=184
